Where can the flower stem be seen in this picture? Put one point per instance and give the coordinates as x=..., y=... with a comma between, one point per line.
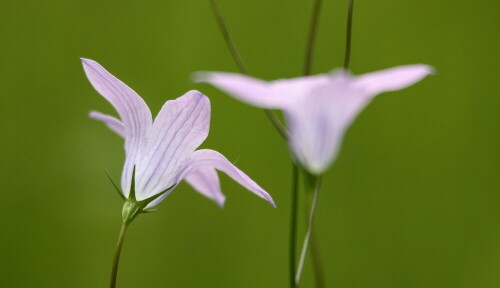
x=347, y=55
x=315, y=254
x=310, y=223
x=227, y=37
x=293, y=222
x=118, y=250
x=241, y=64
x=312, y=37
x=319, y=277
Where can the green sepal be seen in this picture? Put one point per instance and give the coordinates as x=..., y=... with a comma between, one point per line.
x=131, y=195
x=152, y=198
x=130, y=210
x=132, y=207
x=114, y=184
x=149, y=210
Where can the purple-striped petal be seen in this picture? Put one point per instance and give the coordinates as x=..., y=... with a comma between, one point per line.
x=133, y=111
x=180, y=127
x=114, y=124
x=206, y=158
x=206, y=181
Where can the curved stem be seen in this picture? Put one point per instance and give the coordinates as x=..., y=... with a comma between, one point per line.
x=277, y=124
x=310, y=224
x=347, y=55
x=118, y=250
x=312, y=37
x=293, y=222
x=227, y=37
x=241, y=64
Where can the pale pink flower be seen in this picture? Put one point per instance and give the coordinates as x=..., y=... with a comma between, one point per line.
x=162, y=153
x=318, y=109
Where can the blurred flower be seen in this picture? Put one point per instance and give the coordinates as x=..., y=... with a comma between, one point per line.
x=318, y=109
x=160, y=154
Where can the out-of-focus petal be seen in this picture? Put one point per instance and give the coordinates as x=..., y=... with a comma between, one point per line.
x=295, y=89
x=133, y=111
x=213, y=159
x=319, y=108
x=393, y=79
x=114, y=124
x=206, y=181
x=317, y=123
x=180, y=127
x=244, y=88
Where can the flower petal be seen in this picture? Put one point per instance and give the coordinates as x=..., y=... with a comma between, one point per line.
x=114, y=124
x=206, y=181
x=180, y=127
x=317, y=123
x=393, y=79
x=244, y=88
x=295, y=89
x=278, y=94
x=132, y=109
x=213, y=159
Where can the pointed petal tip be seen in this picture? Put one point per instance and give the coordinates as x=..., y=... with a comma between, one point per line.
x=201, y=76
x=424, y=68
x=89, y=65
x=394, y=78
x=430, y=69
x=270, y=200
x=273, y=204
x=221, y=202
x=86, y=61
x=94, y=114
x=215, y=160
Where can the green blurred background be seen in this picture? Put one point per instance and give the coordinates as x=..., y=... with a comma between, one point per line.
x=412, y=201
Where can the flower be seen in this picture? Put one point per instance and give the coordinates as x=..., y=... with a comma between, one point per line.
x=318, y=109
x=161, y=153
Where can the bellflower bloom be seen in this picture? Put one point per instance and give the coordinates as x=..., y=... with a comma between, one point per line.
x=162, y=153
x=318, y=109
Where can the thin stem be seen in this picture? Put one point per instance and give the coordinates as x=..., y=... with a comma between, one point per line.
x=347, y=56
x=308, y=59
x=241, y=64
x=227, y=37
x=277, y=124
x=312, y=37
x=293, y=222
x=310, y=224
x=319, y=275
x=118, y=250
